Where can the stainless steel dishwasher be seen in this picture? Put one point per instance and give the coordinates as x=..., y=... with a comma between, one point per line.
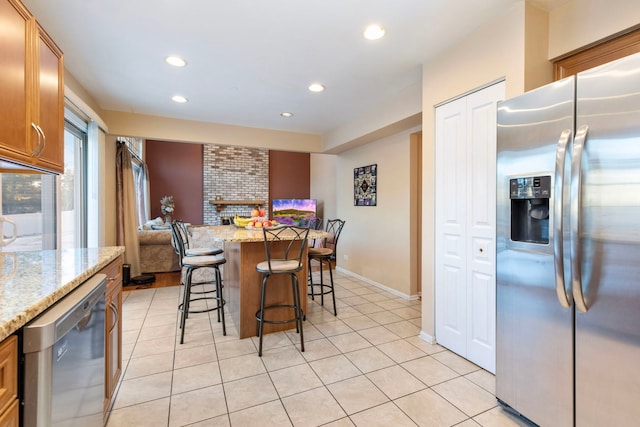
x=64, y=360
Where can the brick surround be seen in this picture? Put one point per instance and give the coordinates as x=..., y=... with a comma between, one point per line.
x=234, y=173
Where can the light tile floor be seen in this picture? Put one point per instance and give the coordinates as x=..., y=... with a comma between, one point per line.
x=365, y=367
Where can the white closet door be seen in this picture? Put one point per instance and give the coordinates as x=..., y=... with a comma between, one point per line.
x=465, y=225
x=481, y=223
x=451, y=182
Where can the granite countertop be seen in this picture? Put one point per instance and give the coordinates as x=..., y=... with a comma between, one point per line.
x=231, y=233
x=32, y=281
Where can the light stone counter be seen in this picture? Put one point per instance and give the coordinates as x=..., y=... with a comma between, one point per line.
x=204, y=235
x=32, y=281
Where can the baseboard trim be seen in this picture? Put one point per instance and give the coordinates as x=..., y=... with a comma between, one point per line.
x=428, y=338
x=378, y=285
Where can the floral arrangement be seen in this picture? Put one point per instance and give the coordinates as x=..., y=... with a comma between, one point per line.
x=166, y=205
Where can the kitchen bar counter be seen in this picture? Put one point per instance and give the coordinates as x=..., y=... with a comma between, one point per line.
x=32, y=281
x=243, y=250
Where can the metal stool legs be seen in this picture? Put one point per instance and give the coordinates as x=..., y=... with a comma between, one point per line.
x=185, y=309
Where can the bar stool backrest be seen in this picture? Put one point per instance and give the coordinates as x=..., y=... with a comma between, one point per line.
x=177, y=241
x=285, y=243
x=334, y=228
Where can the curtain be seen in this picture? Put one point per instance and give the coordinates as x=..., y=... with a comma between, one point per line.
x=142, y=195
x=126, y=216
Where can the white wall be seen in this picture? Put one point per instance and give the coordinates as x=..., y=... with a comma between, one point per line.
x=494, y=51
x=323, y=184
x=376, y=239
x=578, y=23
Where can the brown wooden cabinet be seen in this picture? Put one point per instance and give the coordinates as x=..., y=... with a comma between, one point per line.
x=32, y=102
x=113, y=332
x=9, y=382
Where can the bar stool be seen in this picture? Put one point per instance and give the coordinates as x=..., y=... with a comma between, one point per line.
x=189, y=264
x=284, y=248
x=189, y=250
x=325, y=253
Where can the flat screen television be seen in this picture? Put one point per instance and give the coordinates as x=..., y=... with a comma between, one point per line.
x=297, y=212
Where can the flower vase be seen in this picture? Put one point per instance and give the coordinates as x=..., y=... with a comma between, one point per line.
x=167, y=219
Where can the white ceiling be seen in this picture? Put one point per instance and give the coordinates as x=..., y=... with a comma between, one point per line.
x=250, y=60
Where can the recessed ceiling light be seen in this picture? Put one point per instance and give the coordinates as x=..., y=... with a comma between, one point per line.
x=374, y=32
x=176, y=61
x=179, y=98
x=316, y=87
x=286, y=114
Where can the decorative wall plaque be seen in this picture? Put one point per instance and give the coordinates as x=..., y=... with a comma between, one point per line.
x=365, y=180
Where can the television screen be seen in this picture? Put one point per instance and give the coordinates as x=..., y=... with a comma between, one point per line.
x=297, y=212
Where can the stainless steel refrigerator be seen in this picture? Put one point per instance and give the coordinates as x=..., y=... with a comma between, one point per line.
x=568, y=250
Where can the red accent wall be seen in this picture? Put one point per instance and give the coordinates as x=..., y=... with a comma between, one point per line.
x=175, y=169
x=289, y=175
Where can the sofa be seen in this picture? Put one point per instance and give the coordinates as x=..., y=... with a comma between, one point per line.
x=157, y=254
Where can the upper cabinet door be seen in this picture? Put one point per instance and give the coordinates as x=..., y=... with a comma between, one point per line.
x=49, y=114
x=32, y=101
x=16, y=22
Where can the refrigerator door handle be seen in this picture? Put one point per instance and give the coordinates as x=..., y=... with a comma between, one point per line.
x=576, y=188
x=558, y=253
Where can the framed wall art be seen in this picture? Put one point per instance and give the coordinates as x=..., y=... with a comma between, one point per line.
x=365, y=179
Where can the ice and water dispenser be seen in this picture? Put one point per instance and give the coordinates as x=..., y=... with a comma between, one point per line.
x=530, y=209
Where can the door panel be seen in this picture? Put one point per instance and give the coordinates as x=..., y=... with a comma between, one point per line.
x=608, y=334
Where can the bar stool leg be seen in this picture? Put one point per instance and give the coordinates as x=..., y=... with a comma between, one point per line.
x=298, y=309
x=261, y=320
x=185, y=304
x=220, y=301
x=333, y=291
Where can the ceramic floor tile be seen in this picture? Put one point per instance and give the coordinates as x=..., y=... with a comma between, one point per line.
x=430, y=371
x=342, y=422
x=281, y=357
x=347, y=312
x=197, y=405
x=427, y=408
x=155, y=332
x=235, y=348
x=407, y=313
x=219, y=421
x=148, y=365
x=395, y=381
x=190, y=356
x=368, y=308
x=195, y=377
x=354, y=300
x=376, y=297
x=369, y=359
x=484, y=379
x=195, y=339
x=277, y=339
x=349, y=342
x=455, y=362
x=160, y=345
x=329, y=329
x=313, y=408
x=334, y=369
x=403, y=329
x=319, y=349
x=384, y=317
x=425, y=346
x=382, y=416
x=466, y=396
x=360, y=322
x=159, y=320
x=271, y=414
x=311, y=333
x=295, y=379
x=357, y=394
x=378, y=335
x=251, y=391
x=401, y=351
x=143, y=389
x=154, y=413
x=498, y=417
x=235, y=368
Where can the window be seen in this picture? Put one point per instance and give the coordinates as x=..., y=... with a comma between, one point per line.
x=49, y=210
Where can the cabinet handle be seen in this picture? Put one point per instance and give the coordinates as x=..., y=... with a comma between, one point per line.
x=44, y=141
x=116, y=316
x=36, y=150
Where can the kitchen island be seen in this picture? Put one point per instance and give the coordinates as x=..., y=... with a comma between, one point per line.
x=243, y=250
